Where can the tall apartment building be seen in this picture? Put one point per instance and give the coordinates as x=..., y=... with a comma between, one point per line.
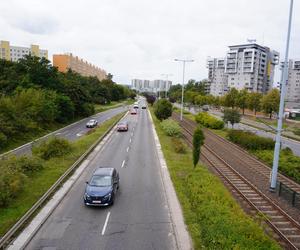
x=292, y=97
x=14, y=53
x=68, y=61
x=217, y=79
x=251, y=66
x=150, y=86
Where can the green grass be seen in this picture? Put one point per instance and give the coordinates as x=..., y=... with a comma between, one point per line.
x=40, y=182
x=213, y=218
x=101, y=108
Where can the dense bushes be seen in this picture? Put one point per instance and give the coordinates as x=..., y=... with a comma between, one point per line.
x=249, y=140
x=171, y=128
x=289, y=164
x=209, y=121
x=163, y=109
x=55, y=147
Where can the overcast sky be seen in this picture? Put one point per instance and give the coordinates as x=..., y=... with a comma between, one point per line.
x=141, y=38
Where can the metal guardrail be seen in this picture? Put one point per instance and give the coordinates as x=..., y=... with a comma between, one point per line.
x=288, y=194
x=20, y=223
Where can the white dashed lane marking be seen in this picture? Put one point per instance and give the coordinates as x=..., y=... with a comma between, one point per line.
x=105, y=224
x=123, y=163
x=127, y=149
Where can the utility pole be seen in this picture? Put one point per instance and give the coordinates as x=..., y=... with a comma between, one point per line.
x=281, y=105
x=182, y=91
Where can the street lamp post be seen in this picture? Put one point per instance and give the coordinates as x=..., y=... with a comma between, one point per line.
x=182, y=91
x=281, y=106
x=167, y=76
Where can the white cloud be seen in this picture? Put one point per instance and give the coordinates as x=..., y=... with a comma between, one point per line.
x=141, y=38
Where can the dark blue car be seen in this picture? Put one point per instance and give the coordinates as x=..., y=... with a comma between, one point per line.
x=102, y=188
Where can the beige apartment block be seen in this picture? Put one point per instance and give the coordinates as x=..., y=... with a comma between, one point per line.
x=14, y=53
x=68, y=61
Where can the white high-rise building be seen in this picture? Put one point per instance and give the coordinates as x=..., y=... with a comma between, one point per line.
x=292, y=97
x=150, y=86
x=217, y=79
x=251, y=66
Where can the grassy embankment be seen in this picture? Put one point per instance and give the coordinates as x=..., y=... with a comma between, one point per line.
x=37, y=184
x=28, y=137
x=214, y=219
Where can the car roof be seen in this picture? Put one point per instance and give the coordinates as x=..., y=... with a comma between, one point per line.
x=92, y=120
x=103, y=171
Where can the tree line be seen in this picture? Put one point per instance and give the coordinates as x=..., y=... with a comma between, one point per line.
x=194, y=94
x=34, y=96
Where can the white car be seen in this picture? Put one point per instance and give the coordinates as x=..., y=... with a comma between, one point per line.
x=92, y=123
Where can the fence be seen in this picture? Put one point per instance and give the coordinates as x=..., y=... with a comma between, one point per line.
x=288, y=194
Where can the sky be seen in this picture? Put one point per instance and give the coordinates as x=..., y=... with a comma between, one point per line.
x=141, y=38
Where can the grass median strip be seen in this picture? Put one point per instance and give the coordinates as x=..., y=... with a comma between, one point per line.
x=214, y=219
x=36, y=184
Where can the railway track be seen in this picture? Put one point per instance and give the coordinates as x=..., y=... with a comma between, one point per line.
x=287, y=229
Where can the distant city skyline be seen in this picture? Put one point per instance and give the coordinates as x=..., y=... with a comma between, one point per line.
x=144, y=44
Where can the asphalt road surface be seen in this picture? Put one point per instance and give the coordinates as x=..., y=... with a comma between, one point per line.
x=77, y=129
x=139, y=218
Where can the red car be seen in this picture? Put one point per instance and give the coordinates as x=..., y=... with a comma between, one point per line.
x=122, y=126
x=133, y=112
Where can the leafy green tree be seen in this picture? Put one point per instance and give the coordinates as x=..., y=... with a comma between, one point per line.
x=231, y=98
x=162, y=109
x=270, y=102
x=198, y=141
x=242, y=100
x=254, y=101
x=231, y=115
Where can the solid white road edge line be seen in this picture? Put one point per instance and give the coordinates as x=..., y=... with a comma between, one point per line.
x=105, y=224
x=181, y=234
x=28, y=233
x=123, y=163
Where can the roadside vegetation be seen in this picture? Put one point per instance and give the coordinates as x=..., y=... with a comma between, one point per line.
x=214, y=219
x=36, y=98
x=23, y=180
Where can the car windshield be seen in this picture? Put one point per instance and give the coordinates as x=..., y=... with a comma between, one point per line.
x=122, y=124
x=100, y=181
x=91, y=121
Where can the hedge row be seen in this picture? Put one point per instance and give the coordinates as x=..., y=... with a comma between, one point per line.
x=209, y=121
x=249, y=140
x=15, y=170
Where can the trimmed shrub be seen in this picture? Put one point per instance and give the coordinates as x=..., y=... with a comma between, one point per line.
x=11, y=183
x=29, y=165
x=171, y=128
x=55, y=147
x=162, y=109
x=249, y=140
x=209, y=121
x=198, y=141
x=178, y=145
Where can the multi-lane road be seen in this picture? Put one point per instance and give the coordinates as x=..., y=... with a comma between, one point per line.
x=75, y=130
x=140, y=217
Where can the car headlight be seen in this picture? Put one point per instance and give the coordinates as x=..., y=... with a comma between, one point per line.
x=86, y=196
x=107, y=197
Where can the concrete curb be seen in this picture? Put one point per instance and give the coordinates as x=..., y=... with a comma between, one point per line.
x=28, y=233
x=181, y=234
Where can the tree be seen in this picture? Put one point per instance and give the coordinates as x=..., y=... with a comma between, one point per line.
x=242, y=100
x=231, y=98
x=198, y=141
x=163, y=109
x=231, y=115
x=150, y=99
x=270, y=102
x=254, y=101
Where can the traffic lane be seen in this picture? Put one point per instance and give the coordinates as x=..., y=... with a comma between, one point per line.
x=140, y=218
x=80, y=129
x=70, y=132
x=72, y=225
